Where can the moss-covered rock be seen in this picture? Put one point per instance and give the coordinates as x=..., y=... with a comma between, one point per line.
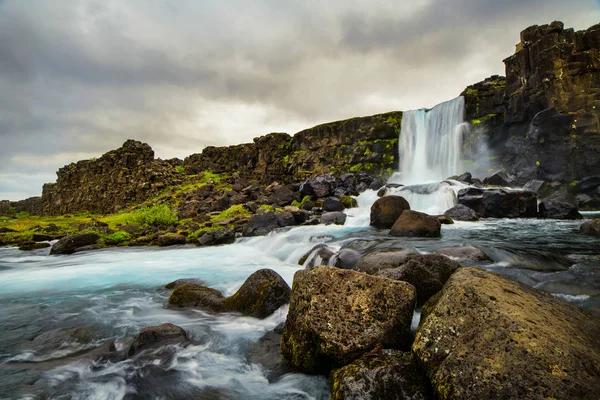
x=202, y=297
x=70, y=244
x=337, y=315
x=379, y=374
x=486, y=336
x=386, y=210
x=261, y=294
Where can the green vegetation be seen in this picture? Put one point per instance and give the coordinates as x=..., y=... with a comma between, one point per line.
x=158, y=215
x=537, y=164
x=396, y=122
x=116, y=237
x=573, y=183
x=268, y=207
x=300, y=204
x=180, y=169
x=237, y=210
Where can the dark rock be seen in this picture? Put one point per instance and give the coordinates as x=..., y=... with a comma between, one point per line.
x=202, y=297
x=267, y=353
x=377, y=184
x=300, y=216
x=216, y=238
x=591, y=227
x=6, y=230
x=416, y=224
x=461, y=212
x=262, y=224
x=261, y=294
x=374, y=262
x=386, y=210
x=558, y=210
x=154, y=336
x=498, y=178
x=69, y=244
x=347, y=180
x=444, y=219
x=321, y=186
x=31, y=245
x=589, y=184
x=346, y=258
x=536, y=186
x=586, y=202
x=513, y=340
x=469, y=254
x=380, y=374
x=318, y=255
x=180, y=282
x=335, y=217
x=332, y=204
x=38, y=237
x=426, y=272
x=337, y=315
x=281, y=196
x=499, y=203
x=170, y=240
x=466, y=177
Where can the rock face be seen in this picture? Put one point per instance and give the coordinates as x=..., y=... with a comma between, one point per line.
x=70, y=244
x=485, y=336
x=337, y=315
x=386, y=210
x=416, y=224
x=426, y=272
x=591, y=227
x=460, y=212
x=157, y=335
x=261, y=294
x=558, y=210
x=380, y=374
x=499, y=203
x=120, y=177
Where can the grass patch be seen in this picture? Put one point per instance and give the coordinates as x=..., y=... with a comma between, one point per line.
x=237, y=210
x=158, y=215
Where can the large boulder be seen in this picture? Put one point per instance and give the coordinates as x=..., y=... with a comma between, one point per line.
x=154, y=336
x=332, y=204
x=498, y=178
x=262, y=224
x=70, y=244
x=372, y=263
x=261, y=294
x=386, y=210
x=380, y=374
x=337, y=315
x=416, y=224
x=591, y=227
x=499, y=203
x=485, y=336
x=558, y=210
x=194, y=295
x=426, y=272
x=460, y=212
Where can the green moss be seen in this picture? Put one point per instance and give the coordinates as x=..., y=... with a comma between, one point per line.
x=573, y=183
x=267, y=207
x=157, y=215
x=475, y=122
x=396, y=122
x=116, y=237
x=300, y=204
x=237, y=210
x=348, y=201
x=180, y=169
x=537, y=164
x=199, y=232
x=367, y=151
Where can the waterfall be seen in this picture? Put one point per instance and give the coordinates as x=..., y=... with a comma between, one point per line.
x=430, y=142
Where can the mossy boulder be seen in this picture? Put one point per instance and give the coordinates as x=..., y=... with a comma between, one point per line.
x=337, y=315
x=426, y=272
x=416, y=224
x=261, y=294
x=153, y=336
x=70, y=244
x=386, y=210
x=485, y=336
x=183, y=281
x=202, y=297
x=591, y=227
x=380, y=374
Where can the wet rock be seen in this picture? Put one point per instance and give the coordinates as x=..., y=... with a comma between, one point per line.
x=348, y=201
x=461, y=212
x=470, y=254
x=499, y=203
x=154, y=336
x=499, y=178
x=558, y=210
x=416, y=224
x=591, y=227
x=513, y=341
x=537, y=187
x=588, y=184
x=426, y=272
x=376, y=184
x=202, y=297
x=346, y=258
x=444, y=219
x=337, y=315
x=62, y=338
x=180, y=282
x=386, y=210
x=39, y=237
x=300, y=216
x=380, y=374
x=262, y=293
x=267, y=353
x=216, y=238
x=318, y=255
x=466, y=177
x=262, y=224
x=332, y=204
x=30, y=245
x=335, y=217
x=69, y=244
x=170, y=240
x=374, y=262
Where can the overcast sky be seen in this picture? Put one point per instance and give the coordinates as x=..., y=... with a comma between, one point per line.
x=78, y=78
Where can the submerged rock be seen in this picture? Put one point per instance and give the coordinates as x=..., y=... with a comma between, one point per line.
x=266, y=352
x=464, y=254
x=337, y=315
x=70, y=244
x=591, y=227
x=202, y=297
x=380, y=374
x=558, y=210
x=180, y=282
x=460, y=212
x=153, y=336
x=485, y=336
x=346, y=258
x=386, y=210
x=416, y=224
x=426, y=272
x=262, y=293
x=318, y=255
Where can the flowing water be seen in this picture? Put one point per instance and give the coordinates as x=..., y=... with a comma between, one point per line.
x=113, y=293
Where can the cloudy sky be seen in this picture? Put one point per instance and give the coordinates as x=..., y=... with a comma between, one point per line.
x=78, y=78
